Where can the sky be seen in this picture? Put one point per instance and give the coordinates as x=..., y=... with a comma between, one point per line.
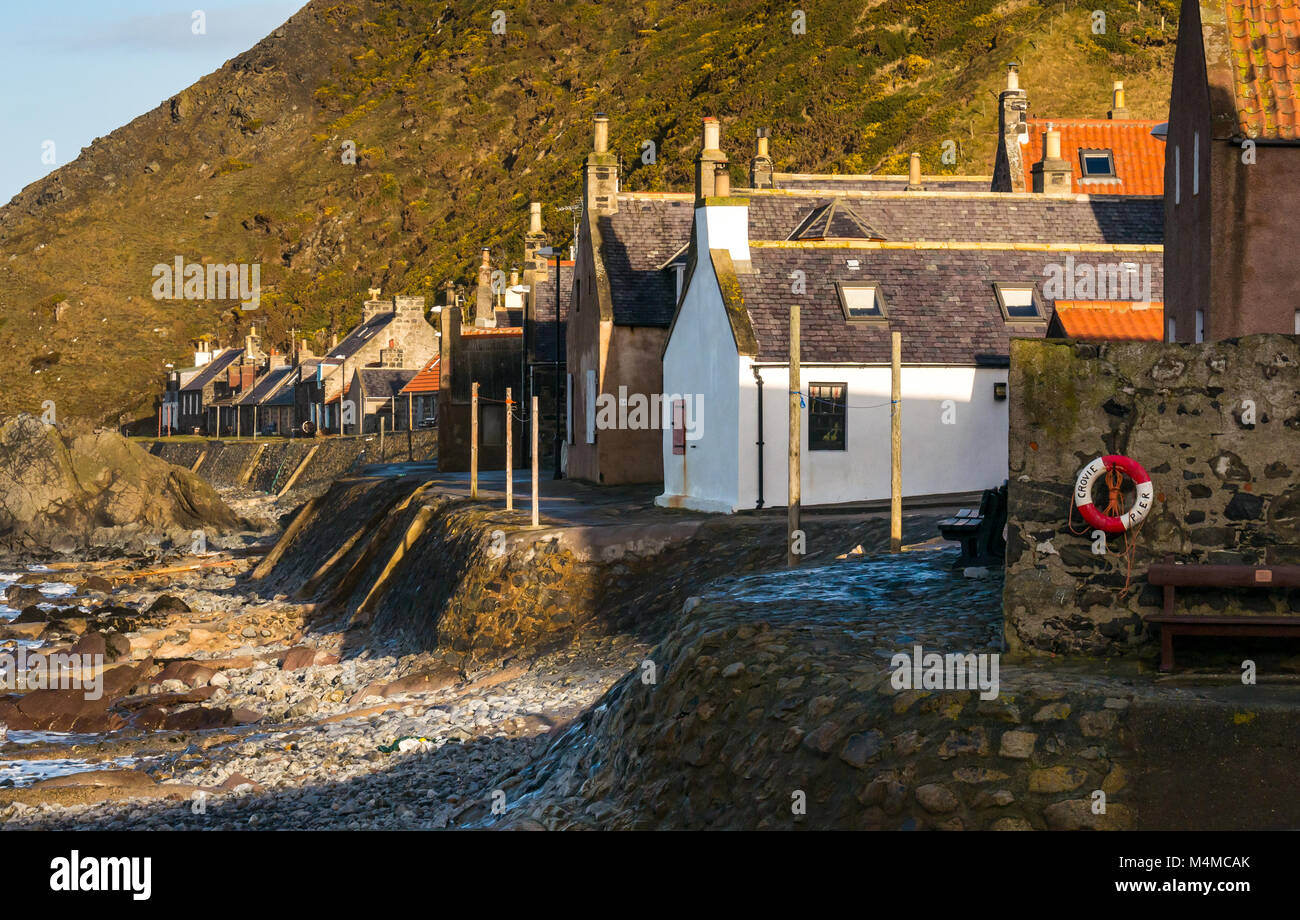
x=75, y=70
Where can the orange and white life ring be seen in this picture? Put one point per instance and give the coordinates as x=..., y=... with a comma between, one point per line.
x=1141, y=504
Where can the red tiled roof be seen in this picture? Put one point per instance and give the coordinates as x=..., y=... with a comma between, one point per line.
x=427, y=381
x=1112, y=320
x=1264, y=50
x=1139, y=157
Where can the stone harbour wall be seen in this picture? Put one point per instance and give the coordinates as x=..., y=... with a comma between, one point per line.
x=275, y=459
x=1216, y=425
x=758, y=721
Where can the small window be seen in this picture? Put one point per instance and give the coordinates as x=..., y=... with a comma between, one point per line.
x=827, y=416
x=679, y=426
x=1097, y=164
x=1019, y=303
x=862, y=303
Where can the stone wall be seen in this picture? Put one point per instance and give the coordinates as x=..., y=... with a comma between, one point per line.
x=1218, y=428
x=275, y=459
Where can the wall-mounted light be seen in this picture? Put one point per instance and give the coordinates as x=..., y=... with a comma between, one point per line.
x=1000, y=390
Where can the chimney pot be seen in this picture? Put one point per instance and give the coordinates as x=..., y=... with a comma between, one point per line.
x=722, y=181
x=535, y=217
x=601, y=133
x=1013, y=76
x=1052, y=144
x=762, y=142
x=914, y=172
x=712, y=133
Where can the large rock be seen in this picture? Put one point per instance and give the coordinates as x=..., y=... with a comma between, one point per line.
x=67, y=490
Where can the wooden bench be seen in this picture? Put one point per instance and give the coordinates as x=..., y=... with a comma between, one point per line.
x=979, y=532
x=1172, y=576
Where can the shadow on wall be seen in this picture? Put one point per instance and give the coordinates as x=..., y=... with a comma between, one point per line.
x=1217, y=426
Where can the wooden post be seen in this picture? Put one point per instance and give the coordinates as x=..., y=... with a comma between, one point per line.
x=381, y=437
x=410, y=425
x=473, y=441
x=536, y=522
x=792, y=509
x=510, y=460
x=896, y=447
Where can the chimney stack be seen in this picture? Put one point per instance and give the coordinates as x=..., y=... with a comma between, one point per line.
x=484, y=310
x=914, y=174
x=1118, y=108
x=760, y=168
x=1013, y=104
x=600, y=173
x=706, y=164
x=534, y=240
x=1052, y=175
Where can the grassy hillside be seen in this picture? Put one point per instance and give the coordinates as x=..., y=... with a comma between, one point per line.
x=457, y=127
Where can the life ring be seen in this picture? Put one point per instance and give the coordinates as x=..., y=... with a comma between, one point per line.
x=1141, y=505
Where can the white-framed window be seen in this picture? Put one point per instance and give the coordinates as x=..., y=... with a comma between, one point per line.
x=1200, y=325
x=591, y=405
x=1171, y=330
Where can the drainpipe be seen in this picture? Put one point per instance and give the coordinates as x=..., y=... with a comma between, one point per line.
x=758, y=379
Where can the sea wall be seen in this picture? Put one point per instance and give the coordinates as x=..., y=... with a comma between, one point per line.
x=267, y=464
x=477, y=583
x=1217, y=426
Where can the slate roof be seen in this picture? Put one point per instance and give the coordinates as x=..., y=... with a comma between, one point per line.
x=1111, y=320
x=362, y=334
x=545, y=329
x=1139, y=157
x=269, y=389
x=835, y=219
x=384, y=382
x=643, y=235
x=1001, y=216
x=941, y=300
x=212, y=369
x=1253, y=64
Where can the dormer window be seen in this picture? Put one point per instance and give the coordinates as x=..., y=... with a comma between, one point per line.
x=1097, y=164
x=1019, y=303
x=862, y=302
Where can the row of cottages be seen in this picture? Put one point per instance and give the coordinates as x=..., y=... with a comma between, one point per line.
x=1232, y=169
x=358, y=384
x=681, y=307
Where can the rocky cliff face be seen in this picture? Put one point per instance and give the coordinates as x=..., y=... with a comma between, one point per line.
x=65, y=491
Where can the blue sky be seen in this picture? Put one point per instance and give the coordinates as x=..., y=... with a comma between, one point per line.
x=74, y=70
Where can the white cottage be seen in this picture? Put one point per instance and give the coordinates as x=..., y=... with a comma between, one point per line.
x=956, y=273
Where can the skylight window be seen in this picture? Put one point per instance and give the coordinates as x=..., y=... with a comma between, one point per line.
x=862, y=303
x=1097, y=164
x=1019, y=303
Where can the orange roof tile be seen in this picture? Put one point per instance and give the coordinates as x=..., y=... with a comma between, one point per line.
x=427, y=381
x=1112, y=320
x=1264, y=50
x=1139, y=157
